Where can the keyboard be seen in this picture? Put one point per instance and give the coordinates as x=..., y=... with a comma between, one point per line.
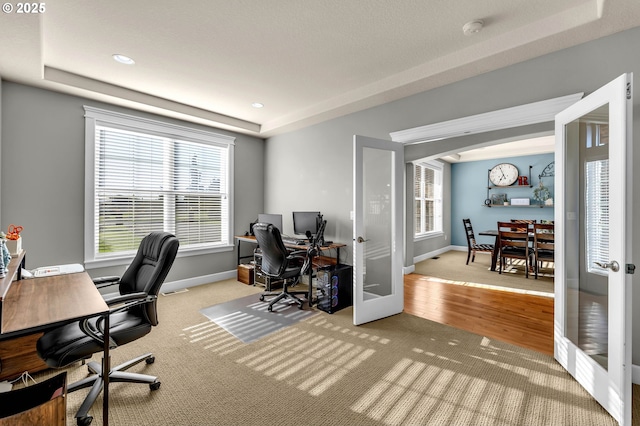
x=294, y=241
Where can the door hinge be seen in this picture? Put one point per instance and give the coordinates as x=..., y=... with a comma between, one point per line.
x=630, y=268
x=628, y=90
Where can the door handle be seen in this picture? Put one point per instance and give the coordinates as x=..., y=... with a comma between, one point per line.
x=613, y=265
x=361, y=240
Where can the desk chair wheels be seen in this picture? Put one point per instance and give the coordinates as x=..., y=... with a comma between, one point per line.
x=84, y=421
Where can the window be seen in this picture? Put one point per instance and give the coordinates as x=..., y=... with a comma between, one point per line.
x=427, y=190
x=596, y=197
x=144, y=176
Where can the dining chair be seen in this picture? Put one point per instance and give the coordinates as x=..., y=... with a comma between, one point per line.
x=472, y=245
x=543, y=244
x=528, y=222
x=513, y=245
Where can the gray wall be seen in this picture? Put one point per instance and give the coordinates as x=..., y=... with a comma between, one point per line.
x=42, y=180
x=327, y=147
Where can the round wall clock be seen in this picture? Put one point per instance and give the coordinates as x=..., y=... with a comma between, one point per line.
x=503, y=174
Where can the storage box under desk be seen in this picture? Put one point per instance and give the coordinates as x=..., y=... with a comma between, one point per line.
x=245, y=274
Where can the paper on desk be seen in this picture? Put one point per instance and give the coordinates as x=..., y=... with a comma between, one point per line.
x=46, y=271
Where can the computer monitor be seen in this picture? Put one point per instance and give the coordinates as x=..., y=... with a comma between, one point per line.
x=274, y=219
x=306, y=221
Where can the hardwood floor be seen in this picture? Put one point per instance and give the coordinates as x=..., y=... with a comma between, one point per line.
x=520, y=319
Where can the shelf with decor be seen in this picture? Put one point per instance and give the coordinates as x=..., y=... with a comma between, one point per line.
x=505, y=176
x=540, y=206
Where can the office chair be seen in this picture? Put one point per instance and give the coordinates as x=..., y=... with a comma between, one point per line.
x=279, y=264
x=132, y=315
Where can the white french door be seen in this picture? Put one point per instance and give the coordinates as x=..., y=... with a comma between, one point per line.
x=592, y=325
x=378, y=240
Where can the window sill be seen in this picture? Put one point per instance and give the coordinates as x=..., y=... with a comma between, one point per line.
x=125, y=260
x=428, y=236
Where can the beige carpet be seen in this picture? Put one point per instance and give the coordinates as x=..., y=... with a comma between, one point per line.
x=401, y=370
x=451, y=266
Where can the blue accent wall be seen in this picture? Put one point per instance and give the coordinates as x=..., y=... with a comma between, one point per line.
x=469, y=181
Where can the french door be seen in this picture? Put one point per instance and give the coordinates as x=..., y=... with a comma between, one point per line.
x=378, y=240
x=592, y=325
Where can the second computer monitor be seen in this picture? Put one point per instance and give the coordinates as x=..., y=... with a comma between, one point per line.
x=274, y=219
x=306, y=221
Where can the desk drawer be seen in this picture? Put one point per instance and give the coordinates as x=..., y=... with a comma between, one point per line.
x=19, y=355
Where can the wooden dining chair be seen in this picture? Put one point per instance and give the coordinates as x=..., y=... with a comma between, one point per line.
x=528, y=222
x=543, y=244
x=472, y=245
x=513, y=245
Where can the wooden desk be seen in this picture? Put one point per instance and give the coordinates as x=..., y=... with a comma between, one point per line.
x=334, y=246
x=38, y=304
x=17, y=354
x=252, y=240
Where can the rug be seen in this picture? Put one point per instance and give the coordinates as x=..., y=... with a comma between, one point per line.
x=248, y=319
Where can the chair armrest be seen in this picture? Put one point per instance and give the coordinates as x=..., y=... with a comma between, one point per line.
x=125, y=301
x=101, y=282
x=298, y=253
x=117, y=300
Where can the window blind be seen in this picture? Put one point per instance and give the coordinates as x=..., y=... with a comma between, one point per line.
x=597, y=214
x=145, y=175
x=427, y=198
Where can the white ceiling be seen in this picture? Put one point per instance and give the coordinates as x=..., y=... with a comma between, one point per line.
x=308, y=61
x=541, y=145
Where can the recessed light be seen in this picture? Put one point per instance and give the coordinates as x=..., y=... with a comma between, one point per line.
x=473, y=27
x=123, y=59
x=257, y=105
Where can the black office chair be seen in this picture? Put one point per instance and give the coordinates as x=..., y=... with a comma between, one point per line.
x=132, y=315
x=279, y=264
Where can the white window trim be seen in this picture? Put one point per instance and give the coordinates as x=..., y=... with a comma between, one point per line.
x=438, y=166
x=96, y=116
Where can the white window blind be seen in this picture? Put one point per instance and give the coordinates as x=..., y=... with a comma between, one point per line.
x=427, y=198
x=597, y=214
x=147, y=177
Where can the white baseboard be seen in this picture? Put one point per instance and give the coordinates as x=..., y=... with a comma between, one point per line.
x=195, y=281
x=431, y=254
x=635, y=374
x=169, y=287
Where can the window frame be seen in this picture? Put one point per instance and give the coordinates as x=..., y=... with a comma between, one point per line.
x=438, y=168
x=100, y=117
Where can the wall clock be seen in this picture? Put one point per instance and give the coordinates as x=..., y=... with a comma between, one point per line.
x=503, y=174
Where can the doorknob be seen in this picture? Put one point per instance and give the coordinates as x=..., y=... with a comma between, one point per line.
x=613, y=265
x=361, y=240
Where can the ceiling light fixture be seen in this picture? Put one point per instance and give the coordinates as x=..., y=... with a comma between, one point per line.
x=257, y=105
x=473, y=27
x=123, y=59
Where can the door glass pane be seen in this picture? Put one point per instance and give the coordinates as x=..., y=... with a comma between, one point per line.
x=587, y=233
x=377, y=195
